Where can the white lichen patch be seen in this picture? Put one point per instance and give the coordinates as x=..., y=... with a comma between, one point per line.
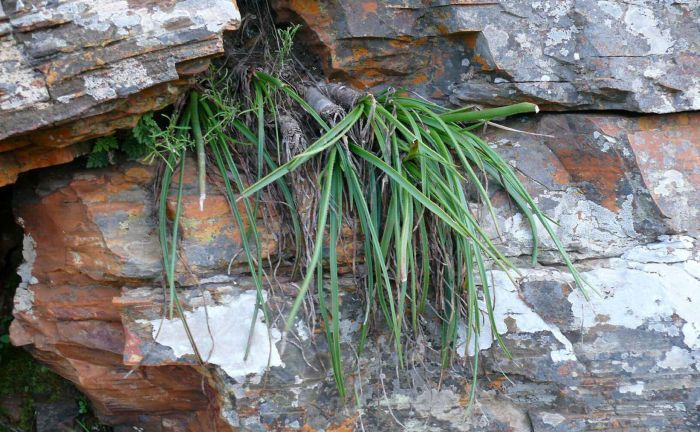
x=650, y=289
x=557, y=36
x=347, y=329
x=21, y=86
x=217, y=14
x=670, y=249
x=221, y=335
x=443, y=405
x=213, y=15
x=496, y=37
x=676, y=358
x=24, y=296
x=447, y=406
x=636, y=388
x=29, y=255
x=670, y=183
x=583, y=226
x=127, y=74
x=610, y=8
x=552, y=419
x=509, y=305
x=641, y=21
x=302, y=330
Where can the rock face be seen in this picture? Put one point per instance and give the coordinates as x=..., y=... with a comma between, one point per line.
x=91, y=302
x=624, y=189
x=81, y=69
x=562, y=54
x=642, y=169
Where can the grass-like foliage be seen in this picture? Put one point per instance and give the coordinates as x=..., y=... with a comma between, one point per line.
x=400, y=170
x=403, y=168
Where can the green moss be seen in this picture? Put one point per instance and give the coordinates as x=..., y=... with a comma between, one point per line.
x=26, y=380
x=21, y=373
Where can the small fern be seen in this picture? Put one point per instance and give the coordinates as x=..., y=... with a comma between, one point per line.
x=136, y=143
x=133, y=147
x=105, y=144
x=145, y=131
x=99, y=159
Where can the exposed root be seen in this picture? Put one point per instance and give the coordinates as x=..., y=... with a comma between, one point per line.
x=293, y=139
x=329, y=110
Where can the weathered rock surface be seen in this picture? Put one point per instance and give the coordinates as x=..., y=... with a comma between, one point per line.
x=624, y=361
x=80, y=69
x=562, y=54
x=91, y=302
x=89, y=234
x=611, y=180
x=623, y=189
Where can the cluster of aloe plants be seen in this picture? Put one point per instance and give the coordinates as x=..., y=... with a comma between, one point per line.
x=404, y=168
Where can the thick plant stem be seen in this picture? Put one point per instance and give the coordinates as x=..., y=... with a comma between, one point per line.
x=199, y=145
x=488, y=114
x=346, y=97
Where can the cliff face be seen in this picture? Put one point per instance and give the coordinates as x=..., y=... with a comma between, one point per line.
x=622, y=182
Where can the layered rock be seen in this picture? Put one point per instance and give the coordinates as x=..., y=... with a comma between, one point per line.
x=605, y=176
x=561, y=54
x=81, y=69
x=623, y=189
x=87, y=235
x=92, y=305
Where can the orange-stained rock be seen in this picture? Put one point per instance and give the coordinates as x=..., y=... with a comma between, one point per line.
x=667, y=150
x=92, y=235
x=81, y=70
x=649, y=165
x=561, y=55
x=91, y=232
x=26, y=158
x=210, y=237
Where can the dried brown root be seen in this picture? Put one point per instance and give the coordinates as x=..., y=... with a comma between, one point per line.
x=342, y=95
x=303, y=180
x=293, y=140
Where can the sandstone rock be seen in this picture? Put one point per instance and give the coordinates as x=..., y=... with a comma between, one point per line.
x=624, y=191
x=88, y=234
x=623, y=361
x=81, y=69
x=572, y=55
